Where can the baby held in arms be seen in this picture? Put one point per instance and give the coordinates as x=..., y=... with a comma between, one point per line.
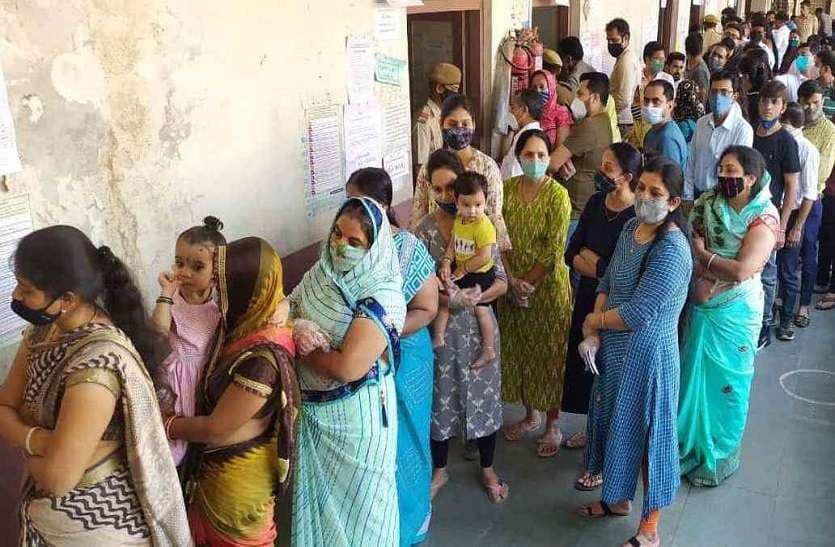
x=468, y=261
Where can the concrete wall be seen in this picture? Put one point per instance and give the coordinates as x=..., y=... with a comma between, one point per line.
x=136, y=118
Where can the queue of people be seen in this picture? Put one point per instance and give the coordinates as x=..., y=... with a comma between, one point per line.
x=633, y=282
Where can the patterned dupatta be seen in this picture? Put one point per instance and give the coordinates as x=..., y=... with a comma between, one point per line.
x=250, y=285
x=373, y=289
x=149, y=460
x=724, y=229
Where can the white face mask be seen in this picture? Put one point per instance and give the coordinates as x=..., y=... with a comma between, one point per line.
x=652, y=115
x=578, y=109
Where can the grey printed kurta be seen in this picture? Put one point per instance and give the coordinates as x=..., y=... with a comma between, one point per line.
x=465, y=402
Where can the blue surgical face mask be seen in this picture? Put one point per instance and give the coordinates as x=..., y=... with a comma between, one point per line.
x=802, y=63
x=720, y=104
x=345, y=257
x=768, y=124
x=534, y=169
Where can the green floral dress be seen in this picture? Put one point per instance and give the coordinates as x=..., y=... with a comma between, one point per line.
x=535, y=339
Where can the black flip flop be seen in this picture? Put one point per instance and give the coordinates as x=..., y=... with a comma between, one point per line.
x=607, y=512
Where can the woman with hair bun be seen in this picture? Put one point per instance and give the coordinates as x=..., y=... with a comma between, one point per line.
x=187, y=313
x=80, y=403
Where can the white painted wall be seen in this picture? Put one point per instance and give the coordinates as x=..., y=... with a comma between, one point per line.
x=136, y=118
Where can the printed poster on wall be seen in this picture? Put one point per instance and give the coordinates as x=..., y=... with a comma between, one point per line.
x=323, y=158
x=15, y=224
x=363, y=134
x=388, y=24
x=359, y=69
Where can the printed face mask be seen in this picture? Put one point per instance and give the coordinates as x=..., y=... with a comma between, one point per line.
x=730, y=186
x=604, y=184
x=651, y=211
x=345, y=257
x=448, y=208
x=813, y=114
x=457, y=138
x=39, y=318
x=534, y=169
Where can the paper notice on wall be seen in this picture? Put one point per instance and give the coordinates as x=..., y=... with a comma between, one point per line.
x=397, y=125
x=388, y=24
x=520, y=14
x=360, y=69
x=388, y=70
x=363, y=134
x=9, y=157
x=323, y=157
x=15, y=223
x=397, y=166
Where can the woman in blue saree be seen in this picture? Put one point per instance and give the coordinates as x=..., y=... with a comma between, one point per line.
x=734, y=229
x=345, y=491
x=413, y=380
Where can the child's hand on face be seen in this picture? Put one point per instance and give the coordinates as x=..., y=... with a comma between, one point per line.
x=169, y=283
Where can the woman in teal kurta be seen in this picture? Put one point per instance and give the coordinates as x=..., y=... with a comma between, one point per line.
x=733, y=236
x=534, y=318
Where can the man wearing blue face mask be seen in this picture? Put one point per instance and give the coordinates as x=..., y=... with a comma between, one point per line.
x=801, y=70
x=665, y=137
x=723, y=127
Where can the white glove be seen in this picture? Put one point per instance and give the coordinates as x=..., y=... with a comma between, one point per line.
x=588, y=351
x=309, y=337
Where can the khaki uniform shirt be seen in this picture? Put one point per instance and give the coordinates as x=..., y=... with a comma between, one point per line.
x=426, y=136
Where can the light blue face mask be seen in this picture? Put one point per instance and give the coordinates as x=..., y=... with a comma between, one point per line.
x=720, y=104
x=534, y=169
x=802, y=63
x=345, y=257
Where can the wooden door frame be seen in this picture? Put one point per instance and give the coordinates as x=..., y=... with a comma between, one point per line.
x=563, y=15
x=667, y=19
x=475, y=20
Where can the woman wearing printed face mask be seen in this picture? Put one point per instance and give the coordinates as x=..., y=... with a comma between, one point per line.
x=345, y=491
x=466, y=400
x=534, y=318
x=458, y=127
x=734, y=229
x=632, y=417
x=80, y=403
x=589, y=252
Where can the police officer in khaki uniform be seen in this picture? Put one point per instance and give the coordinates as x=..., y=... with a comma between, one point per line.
x=443, y=80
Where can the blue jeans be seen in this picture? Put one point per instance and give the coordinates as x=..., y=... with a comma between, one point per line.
x=809, y=253
x=769, y=281
x=788, y=264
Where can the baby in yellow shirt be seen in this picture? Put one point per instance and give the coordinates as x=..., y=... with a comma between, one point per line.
x=468, y=260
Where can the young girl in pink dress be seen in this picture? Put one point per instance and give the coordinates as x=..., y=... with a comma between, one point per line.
x=187, y=312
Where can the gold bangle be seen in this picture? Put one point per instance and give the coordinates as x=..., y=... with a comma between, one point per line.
x=27, y=445
x=168, y=423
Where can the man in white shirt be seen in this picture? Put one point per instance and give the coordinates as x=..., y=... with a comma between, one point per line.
x=780, y=35
x=526, y=107
x=723, y=127
x=788, y=258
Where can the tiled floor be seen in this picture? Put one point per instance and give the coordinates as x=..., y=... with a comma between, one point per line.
x=782, y=495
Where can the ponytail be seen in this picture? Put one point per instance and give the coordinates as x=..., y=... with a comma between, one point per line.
x=62, y=259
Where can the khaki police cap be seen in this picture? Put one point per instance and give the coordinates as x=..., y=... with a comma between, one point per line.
x=446, y=74
x=551, y=57
x=711, y=19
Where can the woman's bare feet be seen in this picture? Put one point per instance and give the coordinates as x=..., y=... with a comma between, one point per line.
x=439, y=479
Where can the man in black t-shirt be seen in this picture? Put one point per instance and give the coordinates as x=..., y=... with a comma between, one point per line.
x=780, y=151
